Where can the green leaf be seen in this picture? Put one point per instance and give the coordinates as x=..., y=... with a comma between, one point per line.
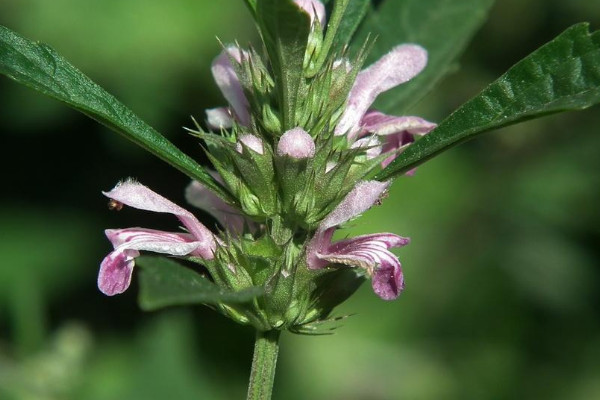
x=38, y=66
x=562, y=75
x=285, y=28
x=164, y=282
x=443, y=27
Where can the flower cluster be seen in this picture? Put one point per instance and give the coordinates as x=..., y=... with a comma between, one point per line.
x=295, y=181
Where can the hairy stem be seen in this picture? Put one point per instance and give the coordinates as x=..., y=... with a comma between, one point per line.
x=264, y=361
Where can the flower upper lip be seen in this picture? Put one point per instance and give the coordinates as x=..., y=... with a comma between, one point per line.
x=229, y=83
x=398, y=66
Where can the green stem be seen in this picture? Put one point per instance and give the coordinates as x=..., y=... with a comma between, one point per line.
x=264, y=361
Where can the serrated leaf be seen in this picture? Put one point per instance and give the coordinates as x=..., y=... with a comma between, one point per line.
x=164, y=282
x=562, y=75
x=284, y=28
x=41, y=68
x=442, y=27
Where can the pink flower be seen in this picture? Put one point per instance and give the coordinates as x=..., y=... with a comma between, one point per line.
x=396, y=67
x=229, y=83
x=116, y=268
x=369, y=252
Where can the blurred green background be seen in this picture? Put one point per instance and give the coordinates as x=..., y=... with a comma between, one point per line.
x=503, y=274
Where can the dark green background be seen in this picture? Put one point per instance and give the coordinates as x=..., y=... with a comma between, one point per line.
x=503, y=274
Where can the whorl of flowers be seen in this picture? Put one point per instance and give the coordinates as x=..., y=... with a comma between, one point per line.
x=295, y=183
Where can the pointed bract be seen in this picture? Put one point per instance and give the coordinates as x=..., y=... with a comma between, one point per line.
x=314, y=8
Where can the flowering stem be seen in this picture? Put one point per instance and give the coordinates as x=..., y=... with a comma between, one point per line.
x=264, y=361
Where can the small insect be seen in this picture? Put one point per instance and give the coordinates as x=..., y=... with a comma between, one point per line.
x=115, y=205
x=379, y=201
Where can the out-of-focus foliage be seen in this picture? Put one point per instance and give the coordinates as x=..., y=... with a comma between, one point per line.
x=562, y=75
x=503, y=272
x=422, y=22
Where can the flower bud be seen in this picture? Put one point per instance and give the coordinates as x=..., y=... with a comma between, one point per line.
x=219, y=118
x=250, y=141
x=296, y=143
x=270, y=119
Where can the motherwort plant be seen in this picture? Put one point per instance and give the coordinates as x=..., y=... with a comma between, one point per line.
x=296, y=153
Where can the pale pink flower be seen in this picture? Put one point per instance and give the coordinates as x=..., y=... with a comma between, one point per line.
x=227, y=80
x=357, y=122
x=205, y=199
x=369, y=252
x=116, y=268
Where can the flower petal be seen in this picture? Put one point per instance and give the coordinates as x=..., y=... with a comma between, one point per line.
x=360, y=199
x=139, y=196
x=116, y=268
x=371, y=253
x=115, y=272
x=388, y=281
x=389, y=240
x=199, y=196
x=229, y=83
x=394, y=145
x=396, y=67
x=173, y=243
x=318, y=246
x=382, y=124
